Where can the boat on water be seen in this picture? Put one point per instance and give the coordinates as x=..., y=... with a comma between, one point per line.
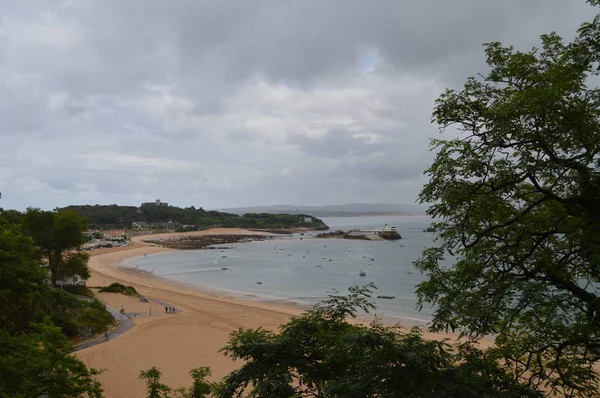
x=362, y=273
x=258, y=282
x=387, y=297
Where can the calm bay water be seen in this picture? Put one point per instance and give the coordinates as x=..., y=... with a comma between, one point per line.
x=287, y=267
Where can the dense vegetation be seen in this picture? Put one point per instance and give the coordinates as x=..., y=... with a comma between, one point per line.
x=319, y=354
x=117, y=287
x=57, y=236
x=113, y=216
x=518, y=196
x=36, y=323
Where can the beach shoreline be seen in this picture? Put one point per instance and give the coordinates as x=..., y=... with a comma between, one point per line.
x=178, y=342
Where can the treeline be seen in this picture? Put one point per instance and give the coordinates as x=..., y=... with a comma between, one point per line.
x=114, y=216
x=39, y=322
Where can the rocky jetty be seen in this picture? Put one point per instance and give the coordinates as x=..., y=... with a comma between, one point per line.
x=389, y=235
x=339, y=234
x=205, y=241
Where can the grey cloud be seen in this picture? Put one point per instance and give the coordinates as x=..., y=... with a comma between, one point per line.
x=236, y=102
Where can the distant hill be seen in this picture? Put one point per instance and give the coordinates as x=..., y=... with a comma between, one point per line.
x=345, y=210
x=150, y=215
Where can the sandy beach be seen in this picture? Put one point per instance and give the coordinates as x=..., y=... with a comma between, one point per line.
x=176, y=342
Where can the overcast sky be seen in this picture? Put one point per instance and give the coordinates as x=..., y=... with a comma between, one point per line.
x=220, y=103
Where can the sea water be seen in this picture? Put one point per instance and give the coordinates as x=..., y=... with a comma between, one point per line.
x=303, y=269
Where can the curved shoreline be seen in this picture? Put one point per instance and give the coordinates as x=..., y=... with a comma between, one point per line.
x=178, y=342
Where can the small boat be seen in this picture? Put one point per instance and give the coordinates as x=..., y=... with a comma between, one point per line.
x=387, y=297
x=362, y=273
x=224, y=269
x=258, y=282
x=318, y=266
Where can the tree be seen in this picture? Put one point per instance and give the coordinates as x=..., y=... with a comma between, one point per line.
x=517, y=193
x=56, y=235
x=12, y=216
x=200, y=387
x=155, y=388
x=38, y=364
x=34, y=353
x=22, y=281
x=320, y=354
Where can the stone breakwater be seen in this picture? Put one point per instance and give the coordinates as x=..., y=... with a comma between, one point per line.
x=204, y=242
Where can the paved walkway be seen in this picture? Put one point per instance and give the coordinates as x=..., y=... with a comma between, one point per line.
x=124, y=324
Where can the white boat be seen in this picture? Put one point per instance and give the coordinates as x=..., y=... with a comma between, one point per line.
x=362, y=273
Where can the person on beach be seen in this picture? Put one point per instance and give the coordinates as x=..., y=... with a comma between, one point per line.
x=166, y=310
x=106, y=336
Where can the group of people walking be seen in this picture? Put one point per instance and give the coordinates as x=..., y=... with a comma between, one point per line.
x=169, y=310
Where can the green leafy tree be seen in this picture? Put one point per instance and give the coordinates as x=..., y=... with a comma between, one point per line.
x=38, y=364
x=516, y=188
x=320, y=354
x=34, y=353
x=155, y=388
x=56, y=235
x=22, y=281
x=11, y=216
x=201, y=388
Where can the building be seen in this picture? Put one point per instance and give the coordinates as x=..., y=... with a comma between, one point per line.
x=74, y=280
x=157, y=202
x=139, y=225
x=114, y=235
x=308, y=219
x=389, y=228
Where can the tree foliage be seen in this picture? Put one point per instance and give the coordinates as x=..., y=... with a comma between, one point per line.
x=518, y=195
x=35, y=321
x=38, y=364
x=200, y=388
x=56, y=235
x=320, y=354
x=154, y=387
x=113, y=216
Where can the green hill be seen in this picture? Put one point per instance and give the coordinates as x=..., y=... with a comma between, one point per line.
x=171, y=217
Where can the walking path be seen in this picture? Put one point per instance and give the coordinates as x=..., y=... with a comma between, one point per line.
x=124, y=324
